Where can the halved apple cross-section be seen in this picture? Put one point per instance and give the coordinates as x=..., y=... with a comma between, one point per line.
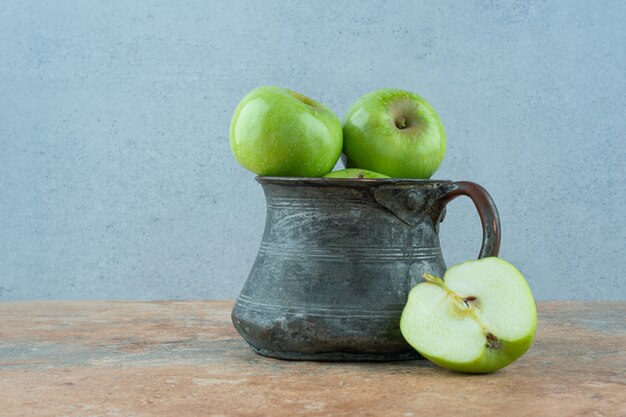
x=480, y=318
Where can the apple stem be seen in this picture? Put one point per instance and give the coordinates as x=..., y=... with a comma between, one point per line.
x=441, y=284
x=434, y=280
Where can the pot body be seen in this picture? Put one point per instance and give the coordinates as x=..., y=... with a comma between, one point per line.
x=336, y=263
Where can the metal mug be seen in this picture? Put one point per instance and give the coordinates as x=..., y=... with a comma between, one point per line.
x=337, y=260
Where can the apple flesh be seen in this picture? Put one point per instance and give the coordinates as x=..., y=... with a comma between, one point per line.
x=479, y=319
x=394, y=132
x=354, y=173
x=278, y=132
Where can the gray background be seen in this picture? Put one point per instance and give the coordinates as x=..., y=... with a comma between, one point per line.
x=116, y=177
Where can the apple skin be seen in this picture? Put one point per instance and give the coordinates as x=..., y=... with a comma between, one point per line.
x=491, y=361
x=278, y=132
x=394, y=132
x=503, y=303
x=354, y=173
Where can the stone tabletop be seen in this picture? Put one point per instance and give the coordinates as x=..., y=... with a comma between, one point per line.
x=185, y=359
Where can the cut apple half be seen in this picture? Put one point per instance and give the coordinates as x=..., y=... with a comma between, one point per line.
x=480, y=318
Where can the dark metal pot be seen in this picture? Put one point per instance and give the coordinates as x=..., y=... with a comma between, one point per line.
x=338, y=259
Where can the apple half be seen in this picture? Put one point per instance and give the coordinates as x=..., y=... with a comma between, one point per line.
x=354, y=173
x=480, y=318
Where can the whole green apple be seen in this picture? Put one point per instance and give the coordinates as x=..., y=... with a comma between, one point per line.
x=481, y=317
x=278, y=132
x=394, y=132
x=354, y=173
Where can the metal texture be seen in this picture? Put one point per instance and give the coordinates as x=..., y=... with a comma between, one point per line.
x=337, y=260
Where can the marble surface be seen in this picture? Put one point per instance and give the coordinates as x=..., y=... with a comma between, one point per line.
x=185, y=359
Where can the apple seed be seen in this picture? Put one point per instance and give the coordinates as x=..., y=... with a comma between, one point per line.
x=469, y=299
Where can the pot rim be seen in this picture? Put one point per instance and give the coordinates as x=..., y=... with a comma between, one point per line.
x=346, y=181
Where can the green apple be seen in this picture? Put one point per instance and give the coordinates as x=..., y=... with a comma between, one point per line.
x=354, y=173
x=394, y=132
x=480, y=318
x=278, y=132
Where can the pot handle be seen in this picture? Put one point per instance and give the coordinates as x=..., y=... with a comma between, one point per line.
x=487, y=211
